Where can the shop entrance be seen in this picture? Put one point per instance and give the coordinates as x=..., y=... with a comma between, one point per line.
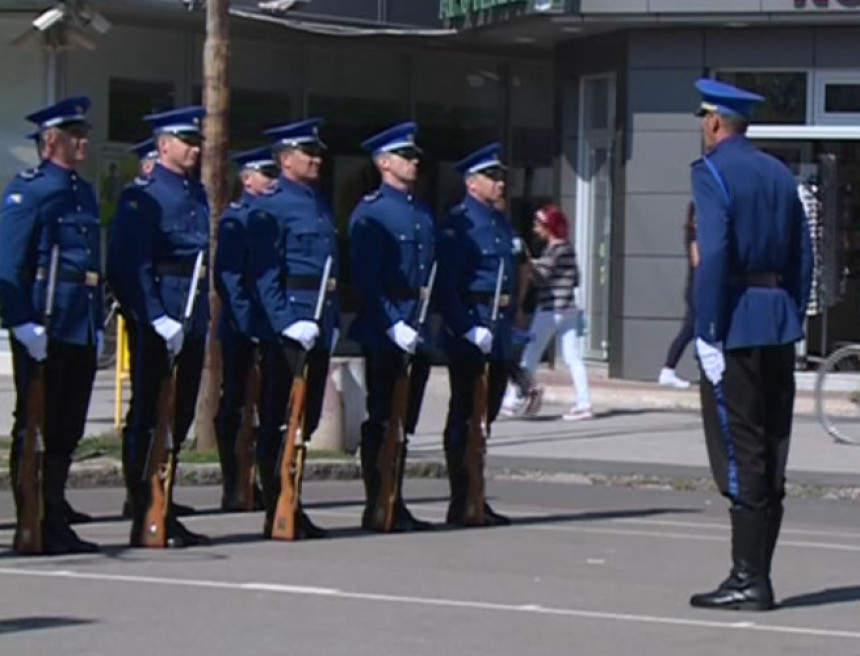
x=828, y=174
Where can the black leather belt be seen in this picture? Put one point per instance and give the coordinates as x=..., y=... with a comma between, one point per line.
x=86, y=278
x=757, y=279
x=308, y=282
x=487, y=298
x=178, y=268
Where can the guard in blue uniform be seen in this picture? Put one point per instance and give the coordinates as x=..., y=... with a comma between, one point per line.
x=46, y=208
x=291, y=233
x=164, y=223
x=474, y=239
x=751, y=290
x=236, y=329
x=392, y=244
x=117, y=275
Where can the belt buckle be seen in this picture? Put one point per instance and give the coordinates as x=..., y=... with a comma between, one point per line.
x=423, y=293
x=504, y=300
x=331, y=286
x=202, y=270
x=91, y=278
x=41, y=273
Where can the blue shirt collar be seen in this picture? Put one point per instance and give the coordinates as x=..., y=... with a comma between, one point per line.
x=296, y=187
x=49, y=168
x=387, y=190
x=161, y=172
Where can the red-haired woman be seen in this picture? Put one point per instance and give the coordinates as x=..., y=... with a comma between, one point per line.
x=555, y=276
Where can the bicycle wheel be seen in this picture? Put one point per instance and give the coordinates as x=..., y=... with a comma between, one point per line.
x=837, y=394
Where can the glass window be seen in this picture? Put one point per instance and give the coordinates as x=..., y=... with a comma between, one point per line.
x=530, y=179
x=459, y=105
x=129, y=101
x=251, y=112
x=842, y=98
x=784, y=93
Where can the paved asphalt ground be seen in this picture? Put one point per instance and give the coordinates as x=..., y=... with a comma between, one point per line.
x=584, y=570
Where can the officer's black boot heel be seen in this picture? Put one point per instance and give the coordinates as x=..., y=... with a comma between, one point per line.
x=748, y=586
x=405, y=521
x=57, y=535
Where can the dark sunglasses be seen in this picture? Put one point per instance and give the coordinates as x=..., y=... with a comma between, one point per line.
x=311, y=149
x=407, y=153
x=495, y=174
x=194, y=139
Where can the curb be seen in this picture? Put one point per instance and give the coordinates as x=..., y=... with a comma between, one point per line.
x=109, y=474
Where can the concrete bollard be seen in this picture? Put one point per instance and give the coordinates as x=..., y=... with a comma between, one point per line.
x=343, y=407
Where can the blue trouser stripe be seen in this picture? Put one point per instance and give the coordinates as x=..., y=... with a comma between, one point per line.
x=732, y=460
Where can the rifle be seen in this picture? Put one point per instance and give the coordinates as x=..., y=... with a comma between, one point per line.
x=291, y=465
x=28, y=533
x=246, y=473
x=388, y=462
x=478, y=425
x=161, y=460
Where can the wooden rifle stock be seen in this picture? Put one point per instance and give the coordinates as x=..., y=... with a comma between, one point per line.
x=285, y=524
x=28, y=534
x=388, y=461
x=246, y=473
x=159, y=466
x=479, y=424
x=161, y=459
x=292, y=465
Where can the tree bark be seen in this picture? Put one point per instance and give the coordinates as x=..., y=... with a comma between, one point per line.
x=216, y=99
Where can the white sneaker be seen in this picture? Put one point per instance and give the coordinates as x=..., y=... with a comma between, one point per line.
x=578, y=414
x=510, y=410
x=668, y=378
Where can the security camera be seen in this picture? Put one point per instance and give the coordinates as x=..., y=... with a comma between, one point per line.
x=49, y=19
x=94, y=19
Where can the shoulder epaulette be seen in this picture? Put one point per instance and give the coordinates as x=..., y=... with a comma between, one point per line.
x=30, y=174
x=458, y=210
x=372, y=197
x=235, y=205
x=141, y=181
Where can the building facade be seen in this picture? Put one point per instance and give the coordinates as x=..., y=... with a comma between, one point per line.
x=593, y=101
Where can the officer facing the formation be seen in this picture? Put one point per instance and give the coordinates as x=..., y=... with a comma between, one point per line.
x=291, y=234
x=752, y=287
x=117, y=274
x=163, y=222
x=472, y=243
x=236, y=328
x=51, y=214
x=391, y=241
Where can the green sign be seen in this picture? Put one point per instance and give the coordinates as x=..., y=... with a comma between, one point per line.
x=460, y=8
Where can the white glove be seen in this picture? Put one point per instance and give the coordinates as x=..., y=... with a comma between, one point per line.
x=100, y=344
x=335, y=336
x=712, y=360
x=480, y=337
x=170, y=331
x=304, y=332
x=404, y=336
x=34, y=339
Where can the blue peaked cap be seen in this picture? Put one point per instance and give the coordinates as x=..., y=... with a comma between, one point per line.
x=296, y=134
x=177, y=121
x=145, y=149
x=255, y=159
x=481, y=160
x=396, y=137
x=725, y=99
x=64, y=112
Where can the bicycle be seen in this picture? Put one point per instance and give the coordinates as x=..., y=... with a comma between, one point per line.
x=837, y=394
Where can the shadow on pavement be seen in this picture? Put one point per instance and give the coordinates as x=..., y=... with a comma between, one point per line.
x=845, y=594
x=564, y=434
x=597, y=516
x=36, y=623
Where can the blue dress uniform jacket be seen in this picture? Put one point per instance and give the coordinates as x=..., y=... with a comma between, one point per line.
x=391, y=244
x=747, y=229
x=231, y=271
x=44, y=207
x=470, y=244
x=291, y=232
x=164, y=223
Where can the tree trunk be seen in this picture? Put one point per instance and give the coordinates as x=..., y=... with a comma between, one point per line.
x=216, y=99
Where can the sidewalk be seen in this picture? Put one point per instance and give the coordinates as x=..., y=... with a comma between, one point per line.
x=642, y=434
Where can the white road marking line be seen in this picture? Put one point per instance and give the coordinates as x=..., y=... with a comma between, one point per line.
x=534, y=609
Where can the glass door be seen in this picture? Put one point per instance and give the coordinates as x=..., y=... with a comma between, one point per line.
x=594, y=207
